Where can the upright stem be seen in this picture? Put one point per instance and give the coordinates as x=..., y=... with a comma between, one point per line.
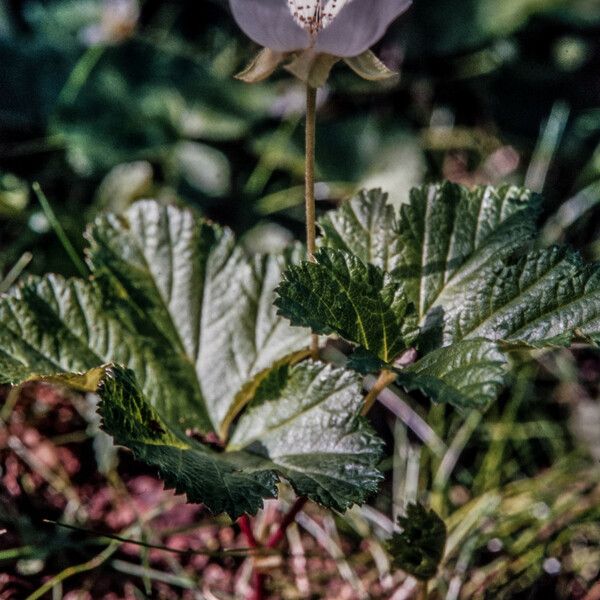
x=309, y=196
x=423, y=593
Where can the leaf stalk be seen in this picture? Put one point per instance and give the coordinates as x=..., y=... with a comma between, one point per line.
x=385, y=378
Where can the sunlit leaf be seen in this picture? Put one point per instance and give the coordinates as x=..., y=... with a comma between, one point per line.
x=545, y=297
x=185, y=320
x=328, y=458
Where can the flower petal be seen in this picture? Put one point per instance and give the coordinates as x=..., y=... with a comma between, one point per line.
x=270, y=24
x=359, y=25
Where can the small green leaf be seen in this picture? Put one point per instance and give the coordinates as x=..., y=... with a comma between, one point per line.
x=419, y=549
x=466, y=374
x=339, y=293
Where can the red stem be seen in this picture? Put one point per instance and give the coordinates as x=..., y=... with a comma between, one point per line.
x=258, y=578
x=288, y=519
x=246, y=527
x=258, y=586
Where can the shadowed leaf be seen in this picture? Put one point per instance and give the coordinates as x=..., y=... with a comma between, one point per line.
x=466, y=374
x=419, y=549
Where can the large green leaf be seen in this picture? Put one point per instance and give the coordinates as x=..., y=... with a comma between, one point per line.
x=449, y=234
x=205, y=299
x=340, y=293
x=545, y=297
x=234, y=483
x=53, y=325
x=313, y=438
x=311, y=435
x=175, y=299
x=465, y=260
x=186, y=319
x=444, y=238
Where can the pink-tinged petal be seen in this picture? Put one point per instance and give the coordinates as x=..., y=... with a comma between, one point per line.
x=270, y=24
x=359, y=25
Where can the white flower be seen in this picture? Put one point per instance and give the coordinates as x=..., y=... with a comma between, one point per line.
x=342, y=28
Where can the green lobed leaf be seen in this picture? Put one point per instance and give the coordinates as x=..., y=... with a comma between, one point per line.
x=449, y=234
x=51, y=325
x=340, y=293
x=419, y=549
x=468, y=374
x=444, y=241
x=440, y=244
x=366, y=227
x=465, y=259
x=186, y=319
x=200, y=296
x=545, y=297
x=303, y=425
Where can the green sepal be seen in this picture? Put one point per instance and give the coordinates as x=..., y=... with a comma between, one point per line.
x=262, y=66
x=369, y=67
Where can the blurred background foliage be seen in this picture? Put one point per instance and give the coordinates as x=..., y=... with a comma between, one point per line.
x=106, y=101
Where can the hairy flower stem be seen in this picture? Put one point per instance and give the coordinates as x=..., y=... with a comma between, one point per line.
x=385, y=378
x=309, y=195
x=423, y=593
